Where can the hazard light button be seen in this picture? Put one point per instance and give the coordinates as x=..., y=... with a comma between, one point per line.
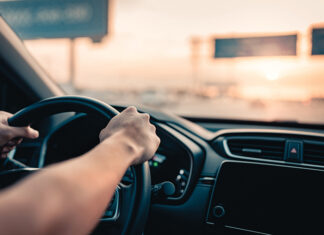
x=293, y=151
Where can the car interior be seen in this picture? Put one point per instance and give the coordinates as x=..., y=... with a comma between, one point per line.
x=209, y=175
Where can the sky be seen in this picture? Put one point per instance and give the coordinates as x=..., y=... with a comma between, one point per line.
x=148, y=47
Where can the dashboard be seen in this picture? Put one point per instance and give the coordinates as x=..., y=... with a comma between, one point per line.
x=260, y=180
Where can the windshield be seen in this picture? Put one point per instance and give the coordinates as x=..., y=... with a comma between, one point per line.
x=254, y=60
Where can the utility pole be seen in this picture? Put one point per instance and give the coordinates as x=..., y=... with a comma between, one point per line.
x=195, y=59
x=72, y=63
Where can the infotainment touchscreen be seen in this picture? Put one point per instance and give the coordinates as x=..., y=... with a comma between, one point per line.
x=268, y=198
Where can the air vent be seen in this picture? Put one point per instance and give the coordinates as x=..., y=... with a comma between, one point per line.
x=313, y=153
x=257, y=147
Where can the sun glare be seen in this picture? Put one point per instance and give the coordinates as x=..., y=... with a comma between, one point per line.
x=274, y=69
x=271, y=76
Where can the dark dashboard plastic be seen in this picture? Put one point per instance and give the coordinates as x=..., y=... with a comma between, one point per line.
x=200, y=152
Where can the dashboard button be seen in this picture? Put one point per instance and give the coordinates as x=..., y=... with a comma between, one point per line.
x=293, y=152
x=218, y=211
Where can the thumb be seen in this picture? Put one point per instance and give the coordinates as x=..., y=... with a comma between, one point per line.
x=24, y=132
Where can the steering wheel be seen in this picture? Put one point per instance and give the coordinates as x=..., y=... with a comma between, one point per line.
x=134, y=199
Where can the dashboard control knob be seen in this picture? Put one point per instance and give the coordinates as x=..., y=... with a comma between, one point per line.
x=218, y=211
x=166, y=188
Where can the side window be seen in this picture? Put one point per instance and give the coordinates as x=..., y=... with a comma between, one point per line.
x=12, y=98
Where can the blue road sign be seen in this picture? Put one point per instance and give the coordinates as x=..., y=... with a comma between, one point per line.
x=256, y=46
x=318, y=41
x=56, y=18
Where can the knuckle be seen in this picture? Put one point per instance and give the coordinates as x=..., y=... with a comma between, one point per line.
x=115, y=117
x=131, y=109
x=102, y=134
x=146, y=116
x=157, y=139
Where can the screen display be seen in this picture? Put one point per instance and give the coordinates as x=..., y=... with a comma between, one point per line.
x=270, y=199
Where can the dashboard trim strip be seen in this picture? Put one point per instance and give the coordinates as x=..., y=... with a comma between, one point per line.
x=245, y=230
x=267, y=131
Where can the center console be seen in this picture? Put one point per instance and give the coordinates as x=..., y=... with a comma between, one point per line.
x=267, y=199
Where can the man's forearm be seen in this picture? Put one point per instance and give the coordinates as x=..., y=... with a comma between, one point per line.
x=67, y=198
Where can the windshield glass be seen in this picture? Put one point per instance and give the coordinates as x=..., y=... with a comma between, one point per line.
x=254, y=60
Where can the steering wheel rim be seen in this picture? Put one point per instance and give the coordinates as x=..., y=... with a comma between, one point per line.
x=135, y=222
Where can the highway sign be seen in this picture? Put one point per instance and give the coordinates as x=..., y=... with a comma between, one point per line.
x=318, y=41
x=57, y=18
x=256, y=46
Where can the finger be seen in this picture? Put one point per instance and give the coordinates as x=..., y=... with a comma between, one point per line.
x=146, y=116
x=153, y=128
x=5, y=115
x=7, y=149
x=158, y=141
x=19, y=141
x=103, y=135
x=14, y=142
x=130, y=109
x=23, y=132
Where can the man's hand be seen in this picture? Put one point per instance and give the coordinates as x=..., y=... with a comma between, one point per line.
x=12, y=136
x=139, y=132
